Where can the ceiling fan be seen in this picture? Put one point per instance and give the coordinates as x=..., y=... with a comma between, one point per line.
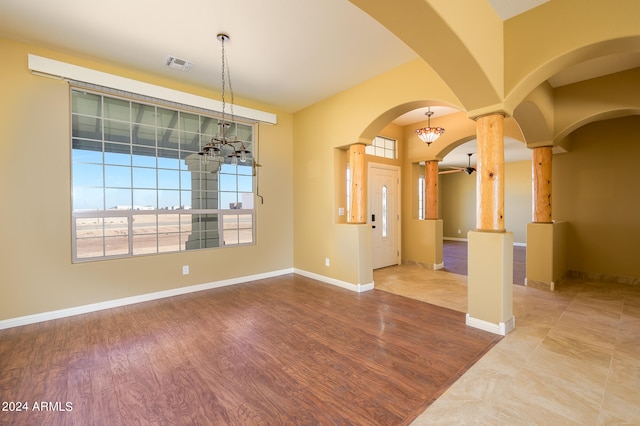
x=468, y=170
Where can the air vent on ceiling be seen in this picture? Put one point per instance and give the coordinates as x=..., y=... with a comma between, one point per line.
x=178, y=64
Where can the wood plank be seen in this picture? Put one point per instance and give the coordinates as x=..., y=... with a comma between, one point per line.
x=280, y=350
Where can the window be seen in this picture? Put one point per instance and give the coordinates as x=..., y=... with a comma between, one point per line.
x=382, y=147
x=348, y=190
x=421, y=193
x=385, y=211
x=140, y=187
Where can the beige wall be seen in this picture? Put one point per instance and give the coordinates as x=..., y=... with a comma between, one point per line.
x=36, y=273
x=596, y=190
x=321, y=131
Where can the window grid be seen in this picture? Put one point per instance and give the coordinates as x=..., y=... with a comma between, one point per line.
x=382, y=147
x=139, y=186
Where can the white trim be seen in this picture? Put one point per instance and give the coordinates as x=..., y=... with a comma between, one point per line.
x=437, y=266
x=358, y=288
x=46, y=316
x=502, y=329
x=63, y=70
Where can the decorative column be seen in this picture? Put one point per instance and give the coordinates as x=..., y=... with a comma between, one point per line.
x=490, y=178
x=358, y=191
x=431, y=256
x=545, y=239
x=541, y=165
x=490, y=279
x=431, y=196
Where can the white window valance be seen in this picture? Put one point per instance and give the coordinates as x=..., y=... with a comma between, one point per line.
x=53, y=68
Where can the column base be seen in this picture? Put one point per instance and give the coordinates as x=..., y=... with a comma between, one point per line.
x=502, y=328
x=490, y=281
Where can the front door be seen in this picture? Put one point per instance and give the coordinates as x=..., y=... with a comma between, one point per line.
x=384, y=213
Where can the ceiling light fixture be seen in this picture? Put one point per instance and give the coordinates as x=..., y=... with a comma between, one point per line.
x=429, y=134
x=226, y=139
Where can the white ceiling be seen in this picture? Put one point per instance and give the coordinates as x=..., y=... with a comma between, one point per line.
x=287, y=53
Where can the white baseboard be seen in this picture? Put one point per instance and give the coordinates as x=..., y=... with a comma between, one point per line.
x=502, y=329
x=359, y=288
x=46, y=316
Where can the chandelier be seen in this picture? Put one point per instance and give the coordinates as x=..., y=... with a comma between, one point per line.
x=429, y=134
x=225, y=144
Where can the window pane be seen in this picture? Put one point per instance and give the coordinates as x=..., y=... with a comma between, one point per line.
x=245, y=183
x=228, y=200
x=145, y=234
x=168, y=179
x=87, y=175
x=116, y=109
x=145, y=199
x=84, y=151
x=168, y=138
x=189, y=122
x=384, y=210
x=117, y=176
x=88, y=198
x=144, y=135
x=209, y=126
x=167, y=118
x=116, y=153
x=118, y=199
x=117, y=131
x=87, y=104
x=168, y=159
x=144, y=177
x=238, y=229
x=116, y=246
x=246, y=170
x=168, y=232
x=168, y=200
x=143, y=114
x=191, y=142
x=144, y=157
x=228, y=182
x=89, y=247
x=86, y=127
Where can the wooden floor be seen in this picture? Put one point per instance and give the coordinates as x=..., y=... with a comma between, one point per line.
x=285, y=350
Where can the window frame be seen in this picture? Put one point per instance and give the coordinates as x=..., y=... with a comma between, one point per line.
x=383, y=147
x=243, y=172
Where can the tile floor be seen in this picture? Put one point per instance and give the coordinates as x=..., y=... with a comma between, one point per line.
x=573, y=358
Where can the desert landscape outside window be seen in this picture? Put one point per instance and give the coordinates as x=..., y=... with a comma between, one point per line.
x=139, y=186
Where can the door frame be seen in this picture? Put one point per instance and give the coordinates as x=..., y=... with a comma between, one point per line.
x=398, y=170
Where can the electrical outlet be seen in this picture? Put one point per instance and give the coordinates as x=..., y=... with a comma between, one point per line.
x=185, y=270
x=459, y=231
x=327, y=262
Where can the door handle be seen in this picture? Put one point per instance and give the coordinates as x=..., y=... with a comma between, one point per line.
x=373, y=218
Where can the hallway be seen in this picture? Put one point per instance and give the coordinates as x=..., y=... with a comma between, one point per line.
x=455, y=259
x=573, y=358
